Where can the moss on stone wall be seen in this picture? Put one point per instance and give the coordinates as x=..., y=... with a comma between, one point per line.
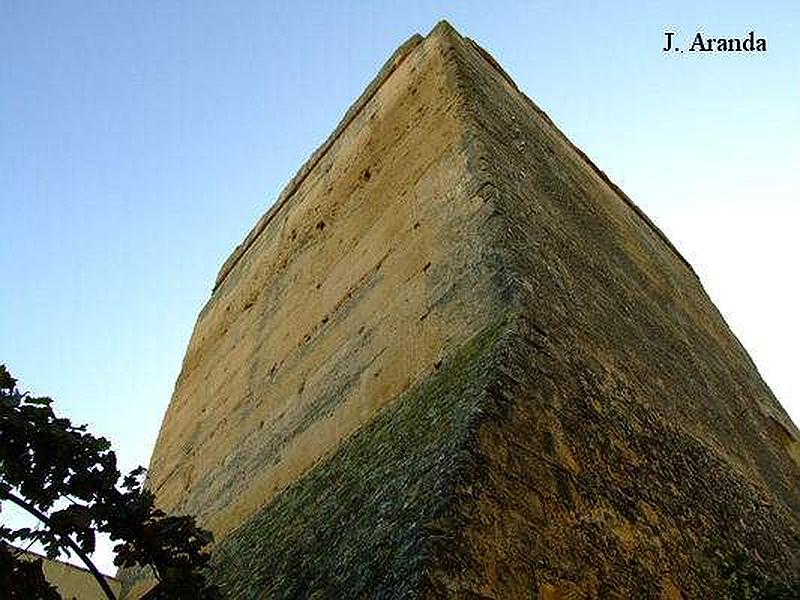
x=360, y=523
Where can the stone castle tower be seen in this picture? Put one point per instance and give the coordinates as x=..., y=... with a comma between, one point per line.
x=455, y=360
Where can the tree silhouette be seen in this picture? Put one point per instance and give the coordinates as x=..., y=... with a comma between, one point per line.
x=68, y=479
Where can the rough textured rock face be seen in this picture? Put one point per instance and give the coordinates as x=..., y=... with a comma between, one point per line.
x=455, y=360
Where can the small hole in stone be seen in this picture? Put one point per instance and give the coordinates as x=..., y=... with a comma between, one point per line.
x=321, y=225
x=366, y=175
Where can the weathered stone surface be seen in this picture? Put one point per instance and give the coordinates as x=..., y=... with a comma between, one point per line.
x=353, y=290
x=457, y=361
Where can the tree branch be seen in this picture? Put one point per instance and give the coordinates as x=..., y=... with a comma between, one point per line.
x=7, y=494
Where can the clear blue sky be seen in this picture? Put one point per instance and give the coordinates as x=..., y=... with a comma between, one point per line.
x=140, y=141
